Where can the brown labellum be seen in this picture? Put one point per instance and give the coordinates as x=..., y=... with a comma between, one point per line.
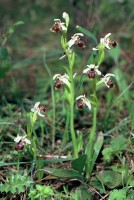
x=80, y=44
x=110, y=84
x=19, y=146
x=113, y=43
x=80, y=105
x=56, y=28
x=58, y=84
x=42, y=108
x=91, y=73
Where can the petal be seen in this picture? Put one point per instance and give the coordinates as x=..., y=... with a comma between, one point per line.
x=80, y=97
x=91, y=66
x=33, y=110
x=107, y=35
x=57, y=21
x=17, y=139
x=63, y=28
x=74, y=75
x=85, y=70
x=78, y=34
x=65, y=81
x=94, y=49
x=107, y=45
x=108, y=75
x=36, y=105
x=106, y=84
x=98, y=72
x=102, y=40
x=62, y=57
x=66, y=76
x=27, y=141
x=71, y=42
x=88, y=104
x=56, y=76
x=41, y=115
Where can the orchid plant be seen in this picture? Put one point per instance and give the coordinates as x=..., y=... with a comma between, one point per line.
x=68, y=82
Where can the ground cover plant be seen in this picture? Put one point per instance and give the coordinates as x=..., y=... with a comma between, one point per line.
x=74, y=138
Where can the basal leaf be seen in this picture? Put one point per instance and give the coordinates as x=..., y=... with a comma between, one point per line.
x=64, y=173
x=79, y=163
x=97, y=148
x=111, y=179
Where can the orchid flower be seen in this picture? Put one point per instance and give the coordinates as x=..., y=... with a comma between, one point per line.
x=37, y=108
x=74, y=39
x=84, y=101
x=91, y=70
x=58, y=26
x=107, y=81
x=104, y=41
x=22, y=139
x=62, y=79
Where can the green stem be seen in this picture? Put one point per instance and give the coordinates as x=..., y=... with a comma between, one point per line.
x=74, y=141
x=90, y=145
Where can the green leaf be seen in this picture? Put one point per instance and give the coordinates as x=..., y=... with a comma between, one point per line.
x=64, y=173
x=81, y=192
x=97, y=184
x=3, y=53
x=79, y=163
x=88, y=33
x=109, y=178
x=97, y=148
x=118, y=195
x=119, y=143
x=15, y=184
x=130, y=194
x=107, y=153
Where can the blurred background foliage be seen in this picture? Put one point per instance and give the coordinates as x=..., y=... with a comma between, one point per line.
x=22, y=67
